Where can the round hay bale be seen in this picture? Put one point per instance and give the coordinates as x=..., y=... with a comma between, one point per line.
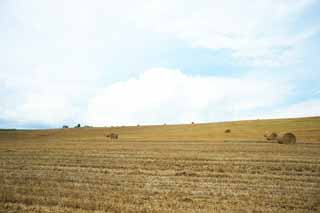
x=286, y=138
x=271, y=136
x=115, y=136
x=227, y=131
x=112, y=136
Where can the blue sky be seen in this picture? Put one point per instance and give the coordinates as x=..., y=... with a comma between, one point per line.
x=104, y=63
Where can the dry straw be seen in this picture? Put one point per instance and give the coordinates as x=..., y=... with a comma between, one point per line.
x=271, y=136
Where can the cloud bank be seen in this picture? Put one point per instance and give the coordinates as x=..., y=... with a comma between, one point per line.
x=161, y=95
x=169, y=96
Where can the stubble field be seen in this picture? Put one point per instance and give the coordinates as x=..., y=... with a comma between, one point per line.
x=172, y=168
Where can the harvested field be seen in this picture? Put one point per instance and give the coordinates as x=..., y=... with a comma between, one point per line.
x=180, y=168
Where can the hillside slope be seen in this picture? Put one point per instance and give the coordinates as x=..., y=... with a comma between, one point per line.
x=306, y=130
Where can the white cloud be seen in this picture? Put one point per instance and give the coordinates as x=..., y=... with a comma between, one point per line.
x=170, y=96
x=46, y=94
x=302, y=109
x=257, y=32
x=41, y=108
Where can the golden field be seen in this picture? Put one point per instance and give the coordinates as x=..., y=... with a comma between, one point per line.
x=167, y=168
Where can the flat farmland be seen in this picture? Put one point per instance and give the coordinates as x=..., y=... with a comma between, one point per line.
x=168, y=168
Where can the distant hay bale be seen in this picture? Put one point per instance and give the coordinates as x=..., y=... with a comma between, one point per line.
x=112, y=136
x=271, y=136
x=286, y=138
x=227, y=131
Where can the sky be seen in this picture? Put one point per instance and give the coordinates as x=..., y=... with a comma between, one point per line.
x=130, y=62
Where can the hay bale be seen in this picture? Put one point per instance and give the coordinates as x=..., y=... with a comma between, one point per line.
x=271, y=136
x=115, y=136
x=112, y=136
x=286, y=138
x=227, y=131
